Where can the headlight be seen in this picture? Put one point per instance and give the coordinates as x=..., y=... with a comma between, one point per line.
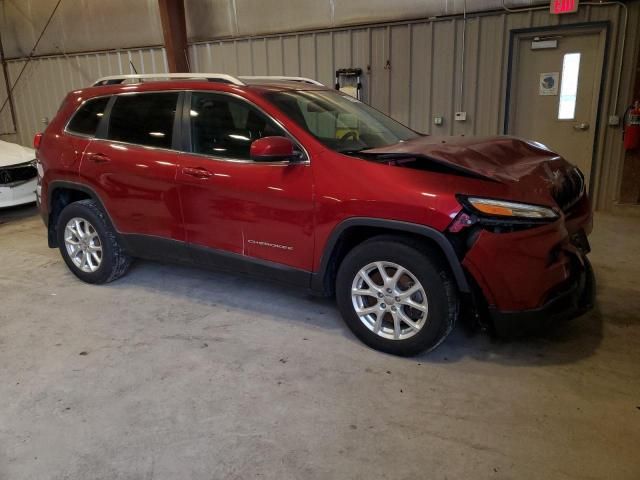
x=505, y=209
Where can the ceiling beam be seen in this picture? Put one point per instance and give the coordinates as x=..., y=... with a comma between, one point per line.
x=174, y=31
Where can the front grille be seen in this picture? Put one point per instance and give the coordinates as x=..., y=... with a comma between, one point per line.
x=569, y=192
x=17, y=173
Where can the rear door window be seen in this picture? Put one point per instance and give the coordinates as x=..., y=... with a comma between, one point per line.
x=86, y=119
x=225, y=126
x=144, y=119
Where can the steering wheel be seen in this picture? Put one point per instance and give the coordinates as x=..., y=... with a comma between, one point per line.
x=349, y=136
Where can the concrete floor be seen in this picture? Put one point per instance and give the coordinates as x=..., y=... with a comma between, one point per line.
x=176, y=373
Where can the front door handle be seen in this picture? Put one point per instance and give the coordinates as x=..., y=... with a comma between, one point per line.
x=581, y=126
x=198, y=172
x=99, y=158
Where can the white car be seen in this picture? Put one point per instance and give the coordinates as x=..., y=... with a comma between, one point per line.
x=18, y=175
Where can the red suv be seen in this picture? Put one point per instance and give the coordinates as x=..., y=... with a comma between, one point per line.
x=286, y=179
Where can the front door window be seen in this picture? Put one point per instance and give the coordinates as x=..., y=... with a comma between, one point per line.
x=223, y=126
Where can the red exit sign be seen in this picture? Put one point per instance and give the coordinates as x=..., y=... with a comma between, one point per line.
x=563, y=6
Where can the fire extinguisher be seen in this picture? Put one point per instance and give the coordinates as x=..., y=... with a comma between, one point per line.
x=631, y=132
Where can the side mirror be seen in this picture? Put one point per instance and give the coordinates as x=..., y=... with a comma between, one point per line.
x=272, y=149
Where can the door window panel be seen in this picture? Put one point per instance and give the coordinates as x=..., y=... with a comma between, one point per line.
x=144, y=119
x=86, y=119
x=569, y=86
x=224, y=126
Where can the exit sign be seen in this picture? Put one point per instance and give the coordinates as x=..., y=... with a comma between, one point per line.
x=563, y=6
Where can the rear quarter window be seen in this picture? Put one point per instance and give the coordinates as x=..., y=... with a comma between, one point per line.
x=86, y=120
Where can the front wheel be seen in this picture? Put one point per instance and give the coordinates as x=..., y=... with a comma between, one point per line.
x=396, y=296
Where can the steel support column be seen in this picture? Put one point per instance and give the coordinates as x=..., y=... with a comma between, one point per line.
x=9, y=99
x=174, y=30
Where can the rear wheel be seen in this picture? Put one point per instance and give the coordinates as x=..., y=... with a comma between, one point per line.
x=395, y=296
x=89, y=245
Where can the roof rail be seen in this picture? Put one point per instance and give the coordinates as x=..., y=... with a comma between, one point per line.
x=290, y=79
x=213, y=77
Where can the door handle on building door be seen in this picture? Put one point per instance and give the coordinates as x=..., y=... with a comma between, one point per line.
x=581, y=126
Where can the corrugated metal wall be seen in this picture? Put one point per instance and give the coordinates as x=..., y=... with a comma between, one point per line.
x=82, y=25
x=78, y=25
x=412, y=72
x=47, y=80
x=232, y=18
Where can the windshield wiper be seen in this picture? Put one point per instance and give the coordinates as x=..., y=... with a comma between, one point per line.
x=352, y=151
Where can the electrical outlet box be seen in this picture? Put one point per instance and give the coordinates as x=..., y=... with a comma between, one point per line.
x=614, y=120
x=461, y=116
x=438, y=121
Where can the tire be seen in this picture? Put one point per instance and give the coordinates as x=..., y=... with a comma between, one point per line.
x=99, y=238
x=437, y=295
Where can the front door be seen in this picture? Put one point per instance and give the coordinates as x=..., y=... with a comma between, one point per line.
x=555, y=90
x=232, y=204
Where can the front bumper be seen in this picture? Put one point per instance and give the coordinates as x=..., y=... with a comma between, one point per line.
x=577, y=297
x=531, y=277
x=18, y=194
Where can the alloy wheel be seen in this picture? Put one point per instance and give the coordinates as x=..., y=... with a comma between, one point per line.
x=389, y=300
x=83, y=244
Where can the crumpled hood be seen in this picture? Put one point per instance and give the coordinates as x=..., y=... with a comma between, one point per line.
x=14, y=154
x=500, y=158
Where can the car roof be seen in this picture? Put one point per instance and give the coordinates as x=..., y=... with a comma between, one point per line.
x=283, y=85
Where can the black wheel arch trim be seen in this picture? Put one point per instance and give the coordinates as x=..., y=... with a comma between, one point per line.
x=319, y=279
x=55, y=184
x=67, y=184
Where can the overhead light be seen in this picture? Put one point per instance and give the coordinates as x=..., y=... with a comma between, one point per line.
x=157, y=134
x=543, y=44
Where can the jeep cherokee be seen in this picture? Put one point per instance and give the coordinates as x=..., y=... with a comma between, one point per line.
x=286, y=179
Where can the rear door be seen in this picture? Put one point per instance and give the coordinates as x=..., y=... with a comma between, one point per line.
x=132, y=165
x=82, y=127
x=231, y=203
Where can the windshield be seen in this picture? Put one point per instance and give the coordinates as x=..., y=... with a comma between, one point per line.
x=340, y=122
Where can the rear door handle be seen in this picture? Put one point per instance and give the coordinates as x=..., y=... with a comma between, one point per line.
x=581, y=126
x=197, y=172
x=99, y=158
